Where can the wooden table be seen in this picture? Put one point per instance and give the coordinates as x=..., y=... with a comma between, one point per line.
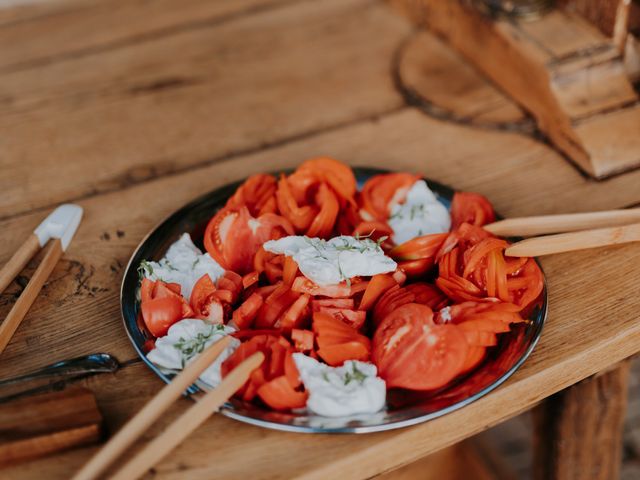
x=132, y=108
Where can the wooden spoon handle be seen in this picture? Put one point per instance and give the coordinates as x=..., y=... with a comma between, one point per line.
x=542, y=225
x=18, y=261
x=189, y=421
x=567, y=242
x=22, y=305
x=128, y=434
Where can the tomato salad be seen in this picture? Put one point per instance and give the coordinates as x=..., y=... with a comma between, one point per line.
x=347, y=292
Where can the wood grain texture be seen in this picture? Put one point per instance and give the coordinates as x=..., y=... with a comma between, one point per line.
x=192, y=98
x=43, y=424
x=49, y=31
x=19, y=310
x=577, y=430
x=434, y=77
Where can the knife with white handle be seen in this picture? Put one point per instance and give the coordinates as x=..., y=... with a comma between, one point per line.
x=57, y=230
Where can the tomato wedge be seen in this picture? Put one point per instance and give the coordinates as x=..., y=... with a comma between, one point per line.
x=471, y=208
x=205, y=304
x=160, y=313
x=338, y=342
x=279, y=395
x=162, y=305
x=256, y=193
x=323, y=223
x=376, y=287
x=302, y=339
x=233, y=237
x=245, y=314
x=338, y=175
x=412, y=352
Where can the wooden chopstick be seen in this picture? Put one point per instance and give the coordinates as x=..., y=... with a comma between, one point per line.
x=189, y=421
x=567, y=242
x=28, y=296
x=19, y=260
x=150, y=412
x=541, y=225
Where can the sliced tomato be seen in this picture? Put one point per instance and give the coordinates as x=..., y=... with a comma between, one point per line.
x=475, y=355
x=337, y=341
x=274, y=306
x=338, y=175
x=256, y=193
x=413, y=352
x=419, y=248
x=162, y=305
x=380, y=192
x=354, y=318
x=302, y=339
x=233, y=237
x=206, y=301
x=291, y=370
x=304, y=285
x=160, y=313
x=376, y=287
x=300, y=216
x=338, y=353
x=319, y=303
x=245, y=314
x=289, y=271
x=296, y=315
x=250, y=279
x=471, y=208
x=428, y=295
x=323, y=223
x=279, y=395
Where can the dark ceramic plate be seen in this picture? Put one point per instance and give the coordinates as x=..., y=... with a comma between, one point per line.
x=404, y=408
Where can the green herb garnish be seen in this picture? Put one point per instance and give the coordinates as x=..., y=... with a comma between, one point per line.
x=356, y=375
x=193, y=346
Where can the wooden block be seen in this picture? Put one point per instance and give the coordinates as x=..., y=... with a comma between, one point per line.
x=42, y=424
x=462, y=461
x=560, y=68
x=579, y=430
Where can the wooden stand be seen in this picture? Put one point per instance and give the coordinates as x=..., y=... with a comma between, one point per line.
x=579, y=430
x=562, y=69
x=42, y=424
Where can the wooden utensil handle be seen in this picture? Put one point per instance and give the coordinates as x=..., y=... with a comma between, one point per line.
x=542, y=225
x=567, y=242
x=18, y=261
x=189, y=421
x=22, y=305
x=150, y=413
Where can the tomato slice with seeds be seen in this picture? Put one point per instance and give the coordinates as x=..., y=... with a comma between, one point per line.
x=233, y=237
x=413, y=352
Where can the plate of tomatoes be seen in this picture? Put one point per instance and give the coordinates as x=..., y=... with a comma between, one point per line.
x=377, y=298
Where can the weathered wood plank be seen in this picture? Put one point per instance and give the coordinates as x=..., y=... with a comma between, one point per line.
x=43, y=32
x=435, y=77
x=123, y=116
x=579, y=430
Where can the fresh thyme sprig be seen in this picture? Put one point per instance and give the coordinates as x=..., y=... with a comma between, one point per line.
x=356, y=375
x=144, y=269
x=193, y=346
